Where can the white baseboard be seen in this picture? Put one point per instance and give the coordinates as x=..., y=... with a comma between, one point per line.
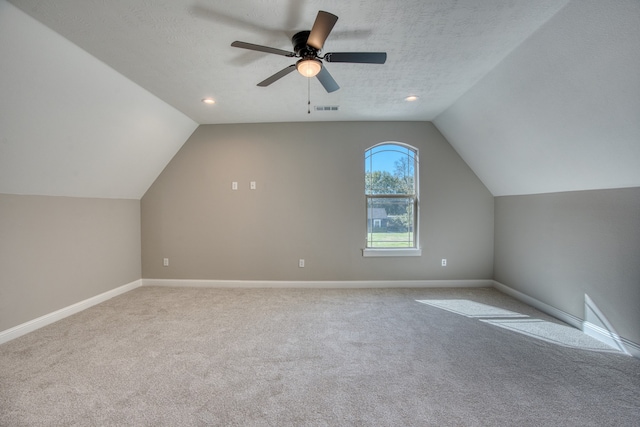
x=612, y=339
x=311, y=284
x=47, y=319
x=601, y=334
x=567, y=318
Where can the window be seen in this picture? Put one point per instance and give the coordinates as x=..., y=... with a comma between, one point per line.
x=391, y=191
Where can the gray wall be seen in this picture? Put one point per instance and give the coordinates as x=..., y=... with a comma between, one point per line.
x=57, y=251
x=558, y=247
x=309, y=204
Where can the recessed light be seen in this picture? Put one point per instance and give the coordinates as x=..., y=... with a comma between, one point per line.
x=411, y=98
x=209, y=101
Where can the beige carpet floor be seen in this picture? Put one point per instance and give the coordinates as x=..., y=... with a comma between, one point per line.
x=307, y=357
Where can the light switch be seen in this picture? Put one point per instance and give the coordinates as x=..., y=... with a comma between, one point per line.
x=253, y=185
x=234, y=185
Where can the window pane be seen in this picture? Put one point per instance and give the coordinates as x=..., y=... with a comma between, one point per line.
x=390, y=169
x=390, y=222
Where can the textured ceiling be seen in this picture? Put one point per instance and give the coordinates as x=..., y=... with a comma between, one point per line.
x=179, y=50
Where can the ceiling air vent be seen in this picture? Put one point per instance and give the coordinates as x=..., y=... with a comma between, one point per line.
x=326, y=108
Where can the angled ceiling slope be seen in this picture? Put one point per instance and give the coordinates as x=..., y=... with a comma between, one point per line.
x=531, y=107
x=562, y=111
x=71, y=125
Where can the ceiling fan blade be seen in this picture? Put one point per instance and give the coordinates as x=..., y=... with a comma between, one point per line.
x=260, y=48
x=327, y=80
x=357, y=57
x=321, y=29
x=277, y=76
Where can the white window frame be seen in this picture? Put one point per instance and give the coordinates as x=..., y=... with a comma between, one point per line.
x=396, y=252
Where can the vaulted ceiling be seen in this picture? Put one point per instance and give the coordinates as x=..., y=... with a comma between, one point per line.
x=97, y=96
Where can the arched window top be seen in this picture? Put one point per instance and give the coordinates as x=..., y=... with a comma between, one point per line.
x=390, y=168
x=392, y=147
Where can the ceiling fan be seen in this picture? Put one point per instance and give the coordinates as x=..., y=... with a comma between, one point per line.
x=307, y=46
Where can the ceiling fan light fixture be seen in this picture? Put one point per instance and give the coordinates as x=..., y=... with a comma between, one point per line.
x=309, y=67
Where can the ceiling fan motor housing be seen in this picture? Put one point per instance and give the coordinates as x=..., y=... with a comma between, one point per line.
x=300, y=46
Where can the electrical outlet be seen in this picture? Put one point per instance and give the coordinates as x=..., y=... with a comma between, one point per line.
x=301, y=263
x=165, y=262
x=234, y=185
x=444, y=262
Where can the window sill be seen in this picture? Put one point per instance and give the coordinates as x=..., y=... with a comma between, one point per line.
x=391, y=252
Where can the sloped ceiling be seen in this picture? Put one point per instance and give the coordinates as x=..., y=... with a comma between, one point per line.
x=72, y=126
x=97, y=96
x=561, y=112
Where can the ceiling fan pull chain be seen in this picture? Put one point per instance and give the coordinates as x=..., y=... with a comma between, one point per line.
x=308, y=95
